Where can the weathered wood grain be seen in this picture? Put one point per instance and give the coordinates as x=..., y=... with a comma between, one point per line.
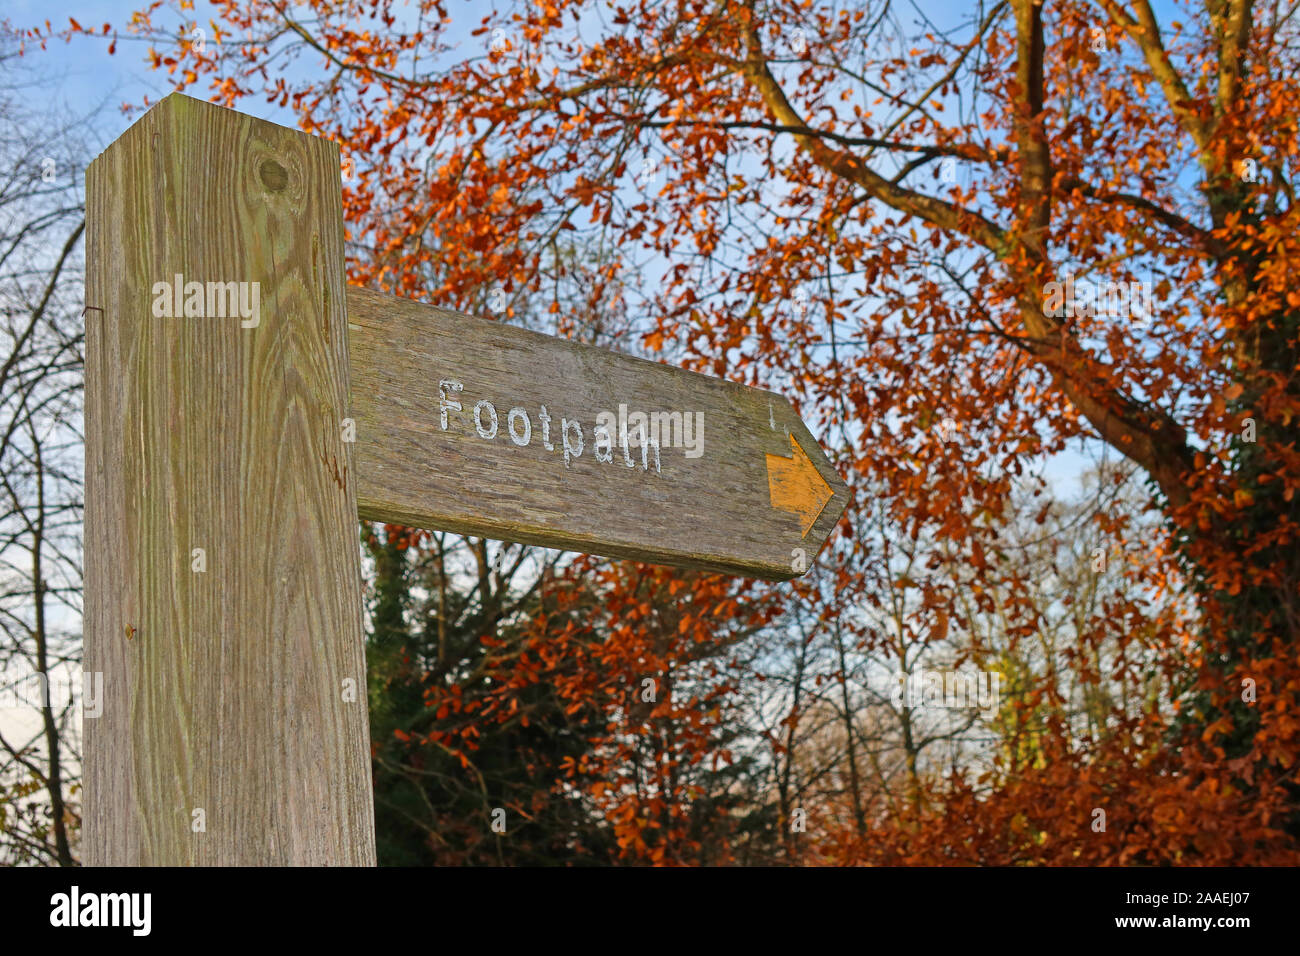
x=748, y=504
x=224, y=688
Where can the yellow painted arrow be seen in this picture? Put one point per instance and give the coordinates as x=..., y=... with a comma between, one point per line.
x=794, y=484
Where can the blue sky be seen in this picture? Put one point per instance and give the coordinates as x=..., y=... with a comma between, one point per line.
x=84, y=79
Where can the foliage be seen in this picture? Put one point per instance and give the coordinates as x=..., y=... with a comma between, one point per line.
x=874, y=211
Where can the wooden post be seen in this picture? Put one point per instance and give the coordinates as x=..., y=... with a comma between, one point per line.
x=223, y=601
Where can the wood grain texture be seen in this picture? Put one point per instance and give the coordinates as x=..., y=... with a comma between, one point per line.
x=714, y=511
x=202, y=433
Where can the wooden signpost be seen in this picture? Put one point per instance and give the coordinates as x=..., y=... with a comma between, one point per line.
x=244, y=406
x=485, y=428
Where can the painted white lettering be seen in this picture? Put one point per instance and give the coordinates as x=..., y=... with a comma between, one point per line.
x=445, y=403
x=646, y=445
x=517, y=414
x=545, y=419
x=570, y=449
x=478, y=419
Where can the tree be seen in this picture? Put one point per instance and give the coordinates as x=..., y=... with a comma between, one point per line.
x=41, y=221
x=826, y=227
x=465, y=755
